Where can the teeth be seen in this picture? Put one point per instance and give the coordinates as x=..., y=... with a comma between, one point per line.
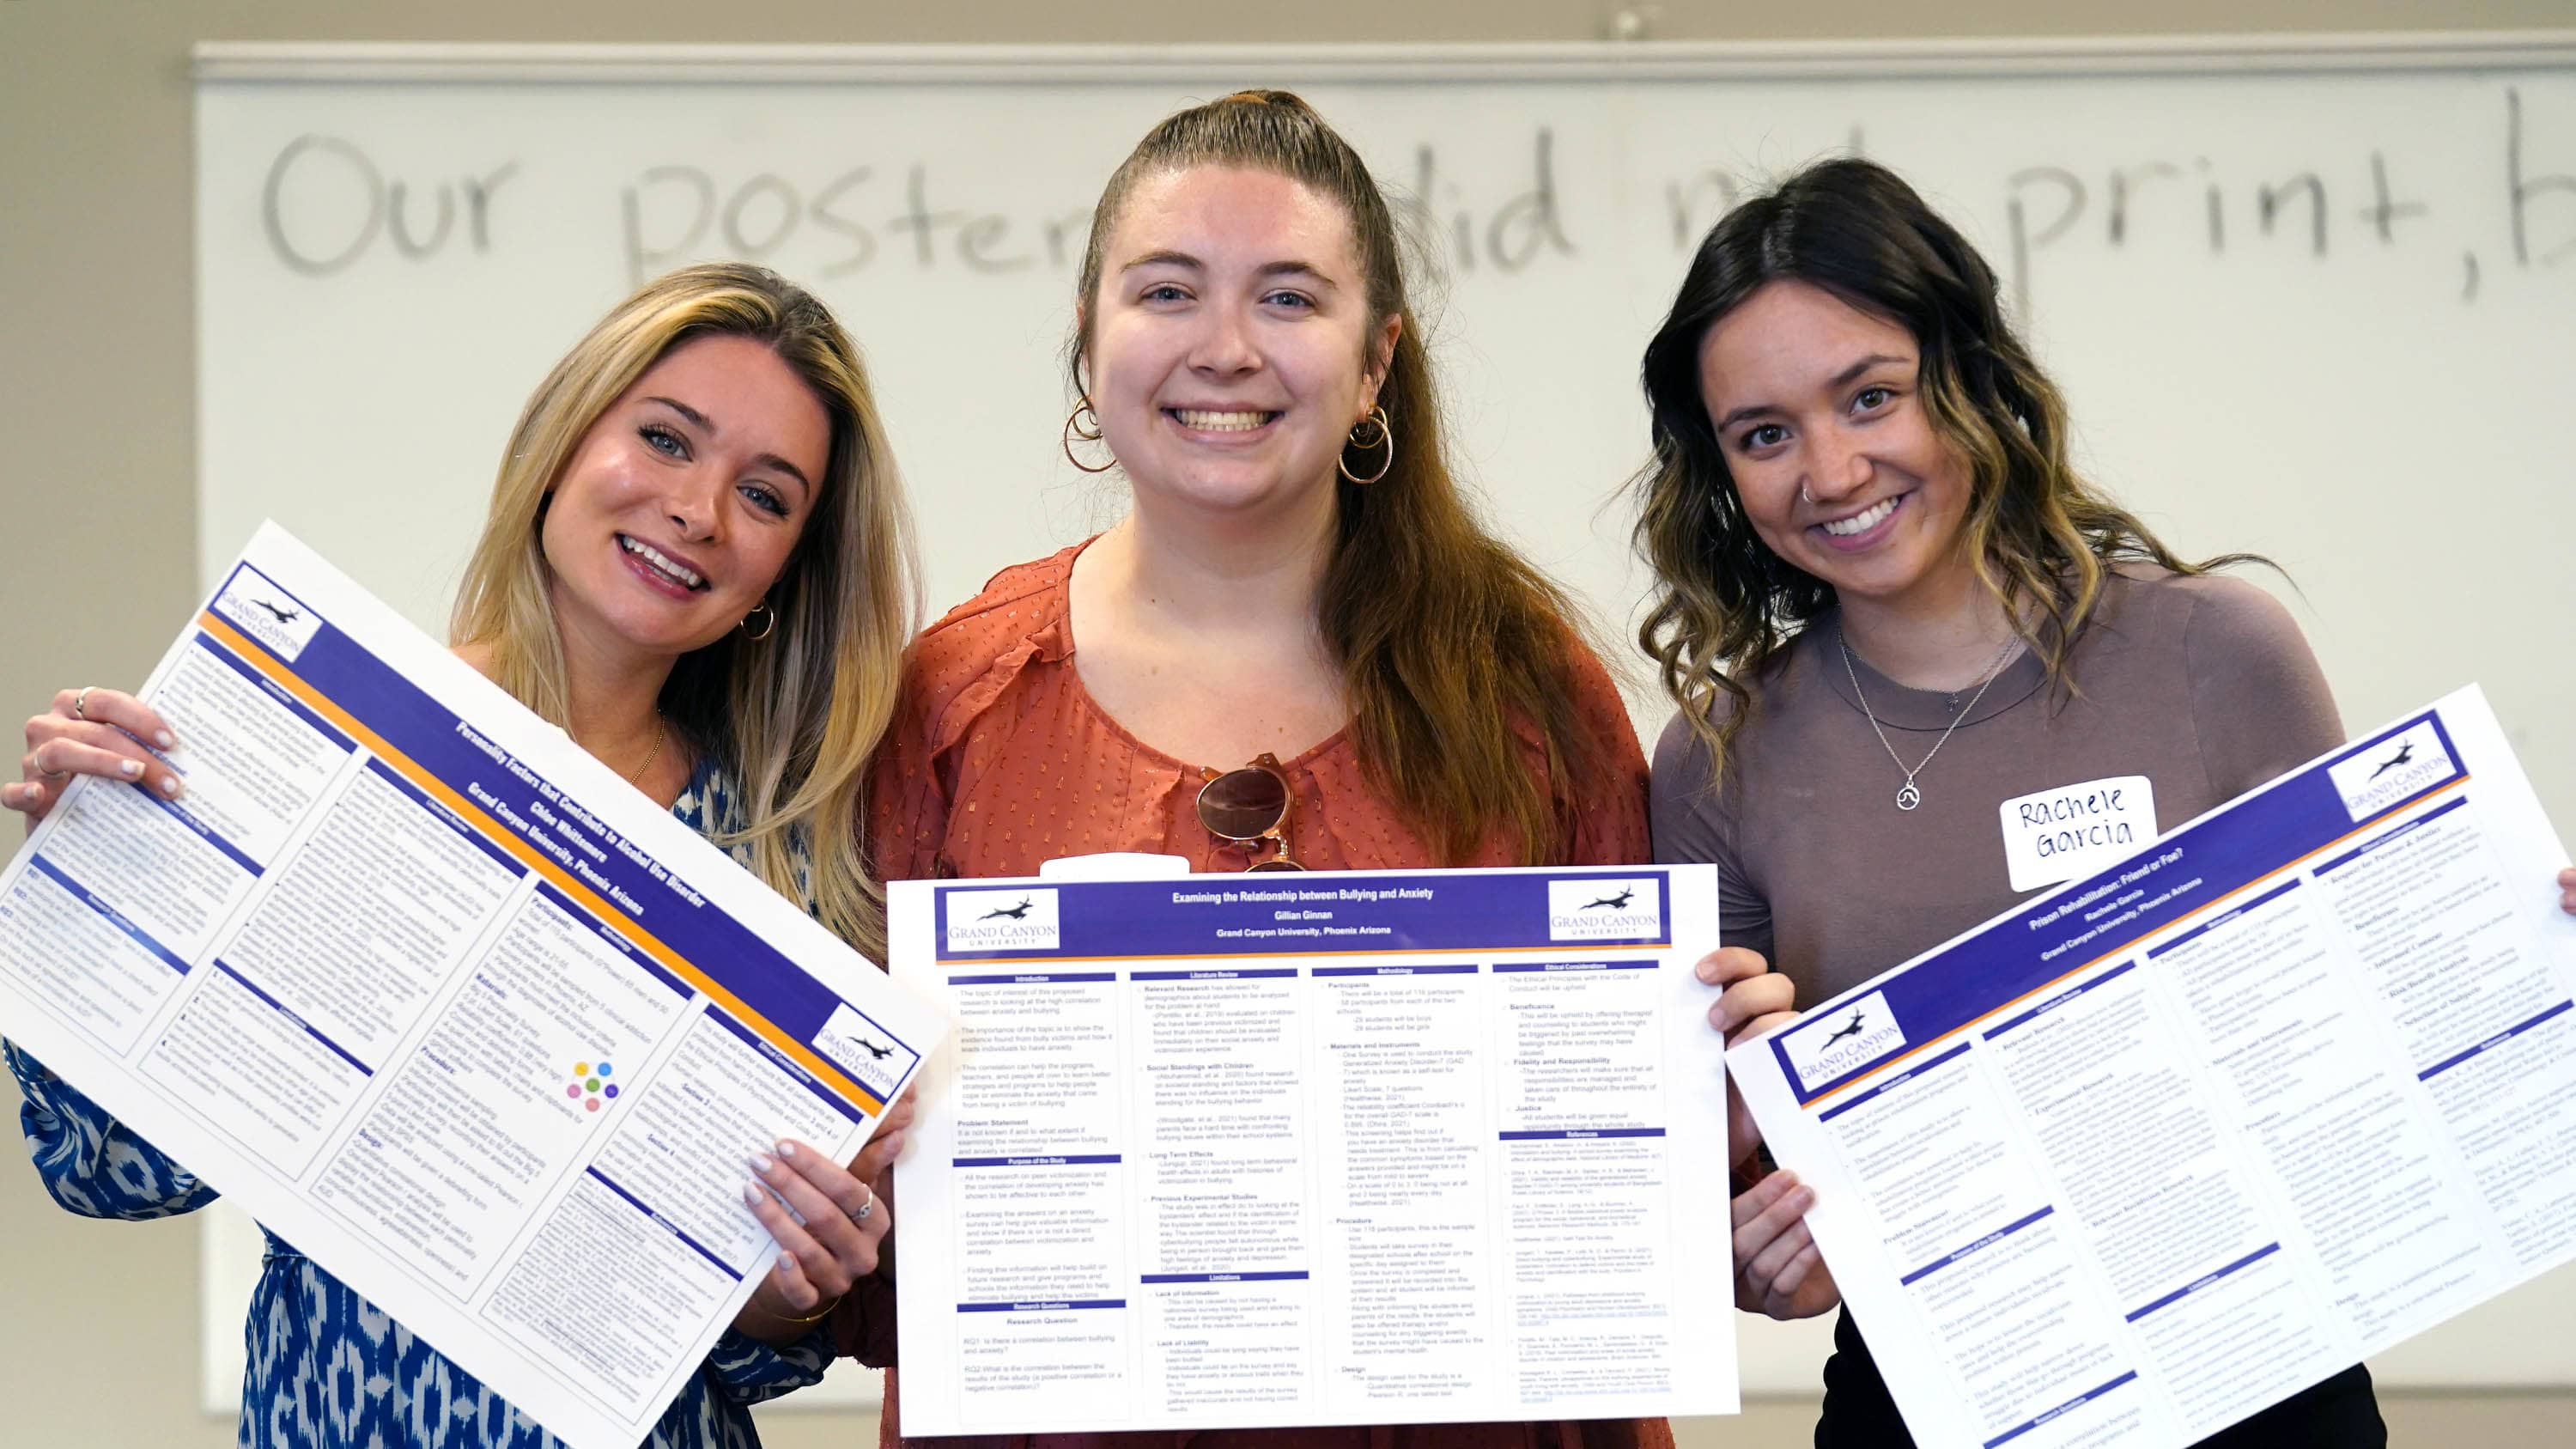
x=1234, y=422
x=660, y=561
x=1861, y=522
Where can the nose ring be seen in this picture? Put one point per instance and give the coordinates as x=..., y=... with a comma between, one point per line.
x=1803, y=493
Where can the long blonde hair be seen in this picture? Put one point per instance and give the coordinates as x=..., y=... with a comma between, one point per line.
x=793, y=718
x=1444, y=635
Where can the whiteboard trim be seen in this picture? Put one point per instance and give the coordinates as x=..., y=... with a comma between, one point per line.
x=2092, y=55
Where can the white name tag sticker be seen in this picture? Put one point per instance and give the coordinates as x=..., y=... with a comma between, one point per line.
x=2054, y=836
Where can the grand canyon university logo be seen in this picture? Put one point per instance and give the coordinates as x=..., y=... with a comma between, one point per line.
x=1605, y=909
x=2379, y=775
x=1012, y=920
x=1833, y=1044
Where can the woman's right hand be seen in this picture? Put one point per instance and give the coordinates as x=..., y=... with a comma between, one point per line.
x=90, y=732
x=1779, y=1271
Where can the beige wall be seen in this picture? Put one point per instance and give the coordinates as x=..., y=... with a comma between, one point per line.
x=98, y=1327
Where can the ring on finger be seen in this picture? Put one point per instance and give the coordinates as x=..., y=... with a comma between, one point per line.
x=860, y=1213
x=79, y=701
x=41, y=769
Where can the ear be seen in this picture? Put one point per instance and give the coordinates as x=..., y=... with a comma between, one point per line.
x=1381, y=357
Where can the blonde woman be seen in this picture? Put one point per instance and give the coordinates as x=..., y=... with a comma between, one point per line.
x=697, y=563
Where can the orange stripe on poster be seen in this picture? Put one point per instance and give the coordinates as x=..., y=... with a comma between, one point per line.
x=536, y=860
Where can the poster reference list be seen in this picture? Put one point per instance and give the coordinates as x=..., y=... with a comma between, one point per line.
x=1330, y=1148
x=479, y=1028
x=2154, y=1151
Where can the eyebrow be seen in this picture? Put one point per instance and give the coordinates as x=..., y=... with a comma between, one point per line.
x=1268, y=269
x=707, y=425
x=1844, y=378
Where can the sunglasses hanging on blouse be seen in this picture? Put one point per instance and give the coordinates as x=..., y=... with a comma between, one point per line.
x=1248, y=806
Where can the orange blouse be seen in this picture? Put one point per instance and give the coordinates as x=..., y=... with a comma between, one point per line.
x=1000, y=760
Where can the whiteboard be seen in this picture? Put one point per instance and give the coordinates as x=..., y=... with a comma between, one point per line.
x=2312, y=298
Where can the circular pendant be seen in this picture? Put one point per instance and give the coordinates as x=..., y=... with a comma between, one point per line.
x=1907, y=797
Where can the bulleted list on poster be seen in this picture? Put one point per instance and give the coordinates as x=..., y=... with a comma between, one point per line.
x=441, y=1000
x=2150, y=1153
x=1330, y=1148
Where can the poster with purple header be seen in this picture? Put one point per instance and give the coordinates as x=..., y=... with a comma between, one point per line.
x=1269, y=1150
x=2154, y=1151
x=441, y=1000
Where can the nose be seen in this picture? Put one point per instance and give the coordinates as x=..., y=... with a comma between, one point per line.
x=1223, y=347
x=1838, y=466
x=693, y=504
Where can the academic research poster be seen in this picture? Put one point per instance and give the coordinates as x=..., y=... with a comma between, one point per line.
x=1301, y=1149
x=441, y=1000
x=2154, y=1151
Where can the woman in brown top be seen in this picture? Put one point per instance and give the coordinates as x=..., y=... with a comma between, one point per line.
x=1888, y=605
x=1300, y=586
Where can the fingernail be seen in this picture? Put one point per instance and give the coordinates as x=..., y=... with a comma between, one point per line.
x=165, y=739
x=129, y=768
x=169, y=784
x=760, y=1162
x=751, y=1194
x=787, y=1149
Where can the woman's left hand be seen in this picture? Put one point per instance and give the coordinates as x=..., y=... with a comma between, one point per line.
x=1755, y=1000
x=829, y=1223
x=2567, y=890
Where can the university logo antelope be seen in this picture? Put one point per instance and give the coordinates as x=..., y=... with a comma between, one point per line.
x=1604, y=910
x=1013, y=920
x=1842, y=1041
x=268, y=614
x=2384, y=772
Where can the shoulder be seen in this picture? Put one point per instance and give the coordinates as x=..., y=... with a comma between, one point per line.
x=2220, y=618
x=976, y=646
x=1012, y=604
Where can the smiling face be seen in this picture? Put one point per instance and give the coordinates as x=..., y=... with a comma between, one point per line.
x=1818, y=410
x=1230, y=350
x=681, y=505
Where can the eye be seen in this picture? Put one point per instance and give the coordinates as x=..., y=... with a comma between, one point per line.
x=1164, y=292
x=765, y=498
x=1872, y=398
x=662, y=440
x=1762, y=435
x=1296, y=301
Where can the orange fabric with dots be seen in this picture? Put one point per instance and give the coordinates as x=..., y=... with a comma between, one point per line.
x=1000, y=760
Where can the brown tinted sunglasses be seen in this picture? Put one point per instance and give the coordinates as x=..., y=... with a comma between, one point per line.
x=1250, y=805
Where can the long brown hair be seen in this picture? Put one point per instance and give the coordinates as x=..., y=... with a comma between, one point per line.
x=791, y=718
x=1725, y=605
x=1446, y=638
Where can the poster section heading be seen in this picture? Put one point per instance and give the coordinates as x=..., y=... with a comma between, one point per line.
x=2088, y=921
x=322, y=667
x=1196, y=917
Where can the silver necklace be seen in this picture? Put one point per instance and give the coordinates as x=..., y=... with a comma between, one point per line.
x=1907, y=796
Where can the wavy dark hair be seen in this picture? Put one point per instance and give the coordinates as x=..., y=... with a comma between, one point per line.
x=1725, y=606
x=1446, y=638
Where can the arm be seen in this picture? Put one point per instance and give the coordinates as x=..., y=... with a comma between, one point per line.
x=2259, y=703
x=1779, y=1271
x=89, y=1161
x=1602, y=803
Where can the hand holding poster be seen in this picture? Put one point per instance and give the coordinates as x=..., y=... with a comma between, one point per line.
x=2147, y=1154
x=442, y=1000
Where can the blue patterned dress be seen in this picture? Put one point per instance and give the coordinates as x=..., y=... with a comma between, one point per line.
x=328, y=1368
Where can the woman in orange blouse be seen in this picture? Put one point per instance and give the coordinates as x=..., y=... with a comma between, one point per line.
x=1300, y=608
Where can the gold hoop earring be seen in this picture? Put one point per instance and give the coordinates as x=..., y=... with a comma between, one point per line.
x=768, y=622
x=1074, y=428
x=1385, y=437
